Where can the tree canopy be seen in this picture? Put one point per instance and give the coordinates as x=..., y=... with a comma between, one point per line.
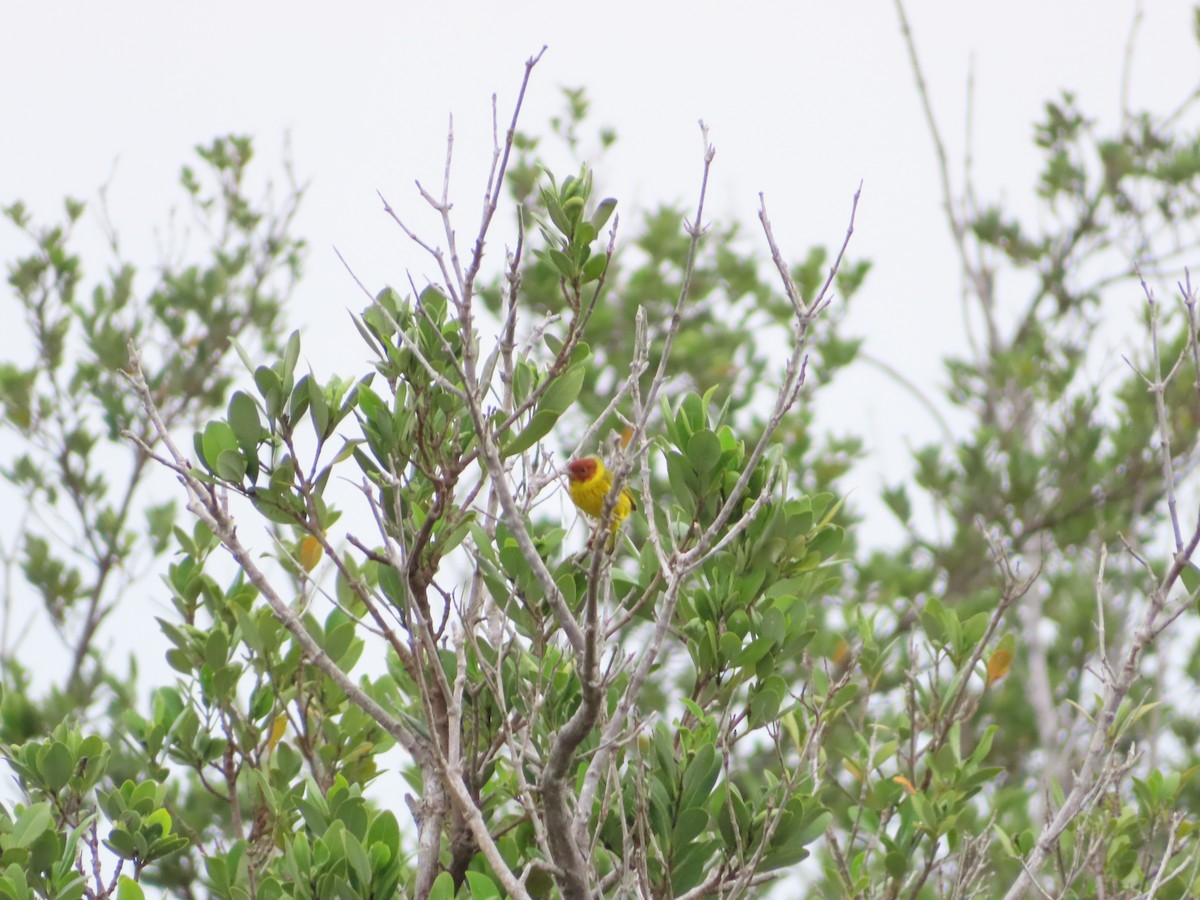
x=405, y=665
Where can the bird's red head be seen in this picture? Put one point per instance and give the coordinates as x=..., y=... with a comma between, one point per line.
x=581, y=469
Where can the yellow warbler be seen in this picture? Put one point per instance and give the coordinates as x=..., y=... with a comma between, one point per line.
x=589, y=482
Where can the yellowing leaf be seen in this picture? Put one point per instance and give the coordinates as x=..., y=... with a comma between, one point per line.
x=1001, y=659
x=278, y=729
x=904, y=783
x=853, y=769
x=840, y=653
x=626, y=436
x=309, y=553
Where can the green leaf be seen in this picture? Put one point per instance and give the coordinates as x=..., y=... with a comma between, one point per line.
x=554, y=208
x=562, y=263
x=973, y=629
x=318, y=408
x=128, y=889
x=699, y=777
x=291, y=355
x=604, y=209
x=357, y=858
x=56, y=766
x=734, y=829
x=689, y=825
x=984, y=747
x=216, y=648
x=827, y=541
x=563, y=390
x=1190, y=576
x=683, y=482
x=830, y=513
x=704, y=451
x=216, y=439
x=165, y=846
x=754, y=651
x=121, y=843
x=538, y=427
x=594, y=268
x=584, y=235
x=814, y=827
x=231, y=466
x=31, y=824
x=482, y=887
x=270, y=388
x=764, y=707
x=244, y=420
x=688, y=866
x=556, y=400
x=443, y=888
x=300, y=399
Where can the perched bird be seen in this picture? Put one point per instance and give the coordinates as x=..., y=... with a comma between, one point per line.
x=589, y=482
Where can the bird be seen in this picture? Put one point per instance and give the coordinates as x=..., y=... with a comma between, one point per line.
x=589, y=481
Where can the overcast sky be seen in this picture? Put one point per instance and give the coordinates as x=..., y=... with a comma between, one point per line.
x=804, y=100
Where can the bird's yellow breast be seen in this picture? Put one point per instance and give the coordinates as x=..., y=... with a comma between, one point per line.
x=589, y=496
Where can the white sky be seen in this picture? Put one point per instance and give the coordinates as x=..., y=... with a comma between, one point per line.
x=803, y=99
